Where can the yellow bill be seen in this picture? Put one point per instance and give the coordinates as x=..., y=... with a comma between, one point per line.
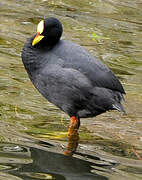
x=37, y=39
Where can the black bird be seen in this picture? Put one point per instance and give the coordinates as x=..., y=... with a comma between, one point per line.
x=69, y=77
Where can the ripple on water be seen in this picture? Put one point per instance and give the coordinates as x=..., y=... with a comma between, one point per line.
x=117, y=26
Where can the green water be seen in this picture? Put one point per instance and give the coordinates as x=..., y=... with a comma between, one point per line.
x=111, y=144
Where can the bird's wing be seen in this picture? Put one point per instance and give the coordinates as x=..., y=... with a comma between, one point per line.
x=76, y=57
x=99, y=77
x=63, y=86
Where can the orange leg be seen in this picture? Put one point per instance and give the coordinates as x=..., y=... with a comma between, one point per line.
x=73, y=136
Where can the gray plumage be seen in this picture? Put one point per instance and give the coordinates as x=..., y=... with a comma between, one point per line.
x=72, y=79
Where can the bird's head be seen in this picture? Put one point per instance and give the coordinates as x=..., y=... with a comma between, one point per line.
x=49, y=32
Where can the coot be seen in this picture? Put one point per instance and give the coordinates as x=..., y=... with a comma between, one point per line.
x=69, y=77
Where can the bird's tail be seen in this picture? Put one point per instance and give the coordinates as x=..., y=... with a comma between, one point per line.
x=118, y=106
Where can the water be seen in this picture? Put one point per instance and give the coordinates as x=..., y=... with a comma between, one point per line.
x=33, y=131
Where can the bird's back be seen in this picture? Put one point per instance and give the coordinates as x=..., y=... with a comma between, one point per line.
x=72, y=79
x=76, y=57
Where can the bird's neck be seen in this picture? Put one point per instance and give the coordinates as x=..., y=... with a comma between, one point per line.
x=31, y=57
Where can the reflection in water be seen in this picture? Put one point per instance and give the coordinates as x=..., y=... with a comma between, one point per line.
x=29, y=163
x=32, y=163
x=117, y=25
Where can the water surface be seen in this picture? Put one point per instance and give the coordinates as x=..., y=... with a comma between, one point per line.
x=110, y=144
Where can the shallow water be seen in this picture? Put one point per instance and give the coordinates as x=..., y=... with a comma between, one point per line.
x=110, y=144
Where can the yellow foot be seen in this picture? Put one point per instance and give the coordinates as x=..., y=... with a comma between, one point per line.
x=73, y=136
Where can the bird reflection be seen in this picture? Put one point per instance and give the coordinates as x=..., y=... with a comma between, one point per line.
x=51, y=165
